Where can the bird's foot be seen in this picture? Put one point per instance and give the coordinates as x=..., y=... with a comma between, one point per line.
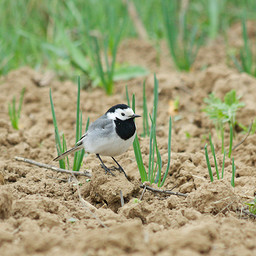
x=114, y=168
x=107, y=170
x=120, y=169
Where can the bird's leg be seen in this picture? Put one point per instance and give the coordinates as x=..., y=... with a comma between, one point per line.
x=120, y=168
x=107, y=170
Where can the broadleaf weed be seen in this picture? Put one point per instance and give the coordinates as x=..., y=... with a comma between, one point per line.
x=222, y=112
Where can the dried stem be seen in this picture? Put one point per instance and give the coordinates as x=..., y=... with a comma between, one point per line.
x=142, y=194
x=243, y=140
x=53, y=168
x=122, y=198
x=168, y=192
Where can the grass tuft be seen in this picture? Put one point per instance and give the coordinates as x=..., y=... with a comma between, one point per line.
x=62, y=147
x=216, y=165
x=182, y=40
x=154, y=173
x=14, y=113
x=247, y=61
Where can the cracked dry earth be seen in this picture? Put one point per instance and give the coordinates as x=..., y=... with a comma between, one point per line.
x=41, y=213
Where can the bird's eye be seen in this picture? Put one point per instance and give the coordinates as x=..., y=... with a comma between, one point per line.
x=123, y=114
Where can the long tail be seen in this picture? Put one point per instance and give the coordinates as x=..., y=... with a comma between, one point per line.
x=72, y=150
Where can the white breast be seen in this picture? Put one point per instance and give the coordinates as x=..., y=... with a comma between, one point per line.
x=111, y=145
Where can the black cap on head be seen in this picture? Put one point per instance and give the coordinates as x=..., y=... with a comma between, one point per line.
x=113, y=109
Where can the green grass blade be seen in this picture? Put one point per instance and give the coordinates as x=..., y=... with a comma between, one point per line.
x=11, y=115
x=155, y=106
x=133, y=102
x=57, y=135
x=82, y=152
x=223, y=165
x=127, y=96
x=159, y=167
x=230, y=140
x=77, y=155
x=213, y=9
x=138, y=156
x=98, y=62
x=105, y=53
x=233, y=173
x=153, y=170
x=169, y=9
x=169, y=152
x=145, y=112
x=87, y=124
x=114, y=52
x=137, y=151
x=151, y=150
x=64, y=147
x=78, y=124
x=214, y=156
x=222, y=138
x=20, y=102
x=14, y=114
x=208, y=163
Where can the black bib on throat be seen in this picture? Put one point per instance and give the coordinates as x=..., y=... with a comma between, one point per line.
x=125, y=129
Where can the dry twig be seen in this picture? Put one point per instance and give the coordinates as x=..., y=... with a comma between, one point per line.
x=168, y=192
x=122, y=198
x=53, y=168
x=142, y=194
x=243, y=140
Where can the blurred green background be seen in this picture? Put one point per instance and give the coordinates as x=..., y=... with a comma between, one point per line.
x=57, y=34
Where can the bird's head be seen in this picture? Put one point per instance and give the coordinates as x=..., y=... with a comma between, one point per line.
x=121, y=112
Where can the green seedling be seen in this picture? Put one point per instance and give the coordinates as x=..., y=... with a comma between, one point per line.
x=214, y=17
x=176, y=104
x=136, y=201
x=252, y=206
x=154, y=172
x=181, y=39
x=106, y=76
x=188, y=135
x=145, y=113
x=145, y=109
x=78, y=157
x=247, y=61
x=216, y=165
x=223, y=112
x=62, y=147
x=14, y=113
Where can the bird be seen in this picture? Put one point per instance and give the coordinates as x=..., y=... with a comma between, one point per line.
x=110, y=135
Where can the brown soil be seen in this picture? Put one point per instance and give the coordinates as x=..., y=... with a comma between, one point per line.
x=41, y=214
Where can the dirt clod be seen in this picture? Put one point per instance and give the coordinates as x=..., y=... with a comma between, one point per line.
x=5, y=203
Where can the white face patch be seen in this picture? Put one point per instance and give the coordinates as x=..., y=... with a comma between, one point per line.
x=122, y=114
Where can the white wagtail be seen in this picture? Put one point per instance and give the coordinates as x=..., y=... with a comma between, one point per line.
x=110, y=135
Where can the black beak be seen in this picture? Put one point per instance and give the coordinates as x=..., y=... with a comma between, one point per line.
x=134, y=116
